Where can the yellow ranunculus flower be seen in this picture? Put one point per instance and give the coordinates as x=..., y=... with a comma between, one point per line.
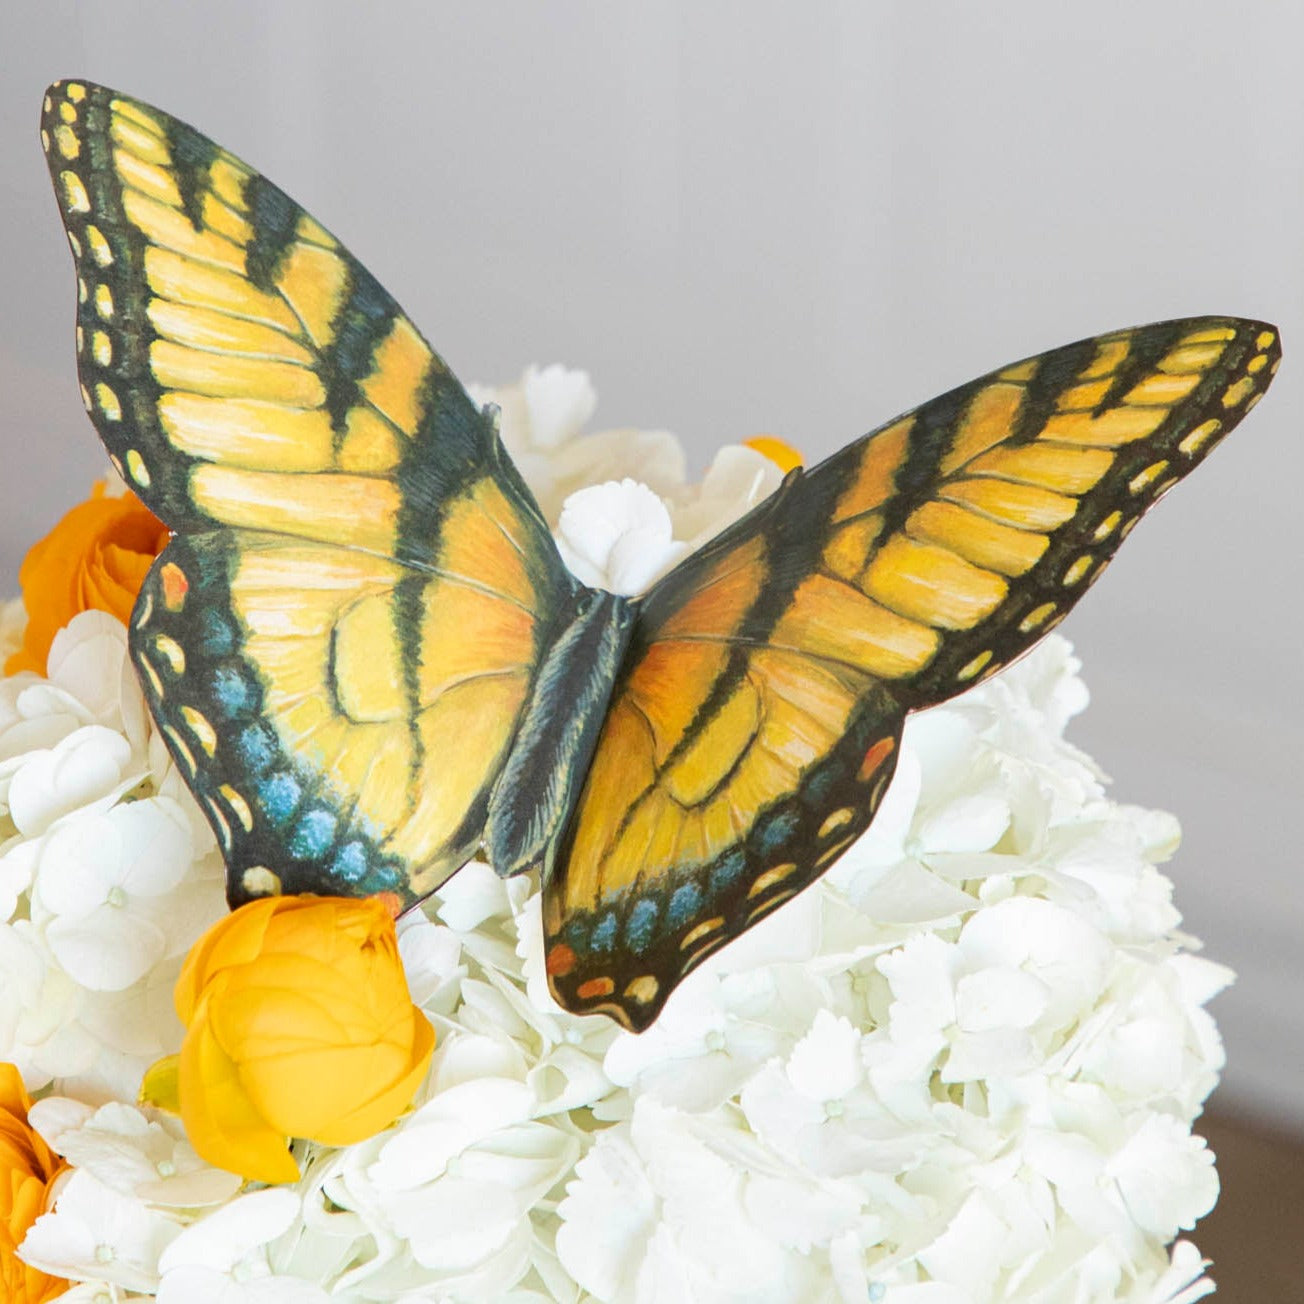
x=299, y=1023
x=27, y=1170
x=95, y=559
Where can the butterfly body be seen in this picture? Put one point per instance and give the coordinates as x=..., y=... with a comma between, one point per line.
x=370, y=663
x=535, y=794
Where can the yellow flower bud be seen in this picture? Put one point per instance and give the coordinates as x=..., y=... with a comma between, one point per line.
x=299, y=1023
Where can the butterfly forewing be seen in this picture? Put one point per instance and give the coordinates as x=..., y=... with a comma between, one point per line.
x=362, y=585
x=755, y=724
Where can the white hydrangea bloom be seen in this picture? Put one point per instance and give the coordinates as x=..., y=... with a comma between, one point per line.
x=962, y=1067
x=97, y=1233
x=143, y=1154
x=618, y=536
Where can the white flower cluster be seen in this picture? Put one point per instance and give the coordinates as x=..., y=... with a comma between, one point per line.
x=962, y=1067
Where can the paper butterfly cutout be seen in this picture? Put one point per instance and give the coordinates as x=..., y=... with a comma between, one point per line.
x=371, y=664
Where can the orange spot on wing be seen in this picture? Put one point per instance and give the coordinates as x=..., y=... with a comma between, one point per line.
x=392, y=902
x=875, y=757
x=560, y=961
x=175, y=586
x=594, y=988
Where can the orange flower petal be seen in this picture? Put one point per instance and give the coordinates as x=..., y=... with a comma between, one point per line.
x=28, y=1168
x=95, y=558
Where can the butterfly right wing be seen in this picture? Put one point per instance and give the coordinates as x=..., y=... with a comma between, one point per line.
x=755, y=724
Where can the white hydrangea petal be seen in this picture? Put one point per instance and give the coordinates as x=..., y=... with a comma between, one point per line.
x=107, y=950
x=455, y=1224
x=1184, y=1281
x=559, y=403
x=472, y=896
x=617, y=536
x=737, y=479
x=442, y=1128
x=968, y=1253
x=999, y=997
x=910, y=893
x=228, y=1235
x=431, y=957
x=608, y=1217
x=87, y=765
x=652, y=457
x=87, y=659
x=193, y=1284
x=1165, y=1176
x=96, y=1232
x=825, y=1063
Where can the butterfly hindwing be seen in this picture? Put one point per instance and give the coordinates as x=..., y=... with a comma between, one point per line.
x=754, y=725
x=362, y=586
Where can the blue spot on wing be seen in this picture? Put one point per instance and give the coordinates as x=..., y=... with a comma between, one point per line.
x=576, y=935
x=818, y=786
x=313, y=835
x=257, y=748
x=350, y=862
x=216, y=638
x=604, y=933
x=774, y=831
x=684, y=904
x=641, y=925
x=278, y=796
x=727, y=871
x=231, y=692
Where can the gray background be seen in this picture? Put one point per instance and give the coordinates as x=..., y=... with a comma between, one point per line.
x=799, y=218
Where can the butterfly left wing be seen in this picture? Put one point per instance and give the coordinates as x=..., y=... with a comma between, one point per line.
x=361, y=586
x=755, y=725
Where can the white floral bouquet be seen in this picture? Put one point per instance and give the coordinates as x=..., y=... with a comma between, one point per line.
x=962, y=1067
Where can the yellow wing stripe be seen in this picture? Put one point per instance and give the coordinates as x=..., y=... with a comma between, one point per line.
x=989, y=418
x=363, y=512
x=1002, y=549
x=253, y=434
x=312, y=281
x=932, y=585
x=185, y=280
x=830, y=620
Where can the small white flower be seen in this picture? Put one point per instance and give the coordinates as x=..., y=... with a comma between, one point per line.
x=88, y=660
x=105, y=880
x=222, y=1260
x=617, y=536
x=148, y=1158
x=737, y=479
x=559, y=403
x=1183, y=1282
x=97, y=1233
x=92, y=764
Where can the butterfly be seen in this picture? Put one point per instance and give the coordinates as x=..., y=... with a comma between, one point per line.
x=370, y=663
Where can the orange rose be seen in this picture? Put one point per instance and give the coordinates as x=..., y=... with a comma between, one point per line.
x=27, y=1168
x=95, y=559
x=299, y=1023
x=783, y=455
